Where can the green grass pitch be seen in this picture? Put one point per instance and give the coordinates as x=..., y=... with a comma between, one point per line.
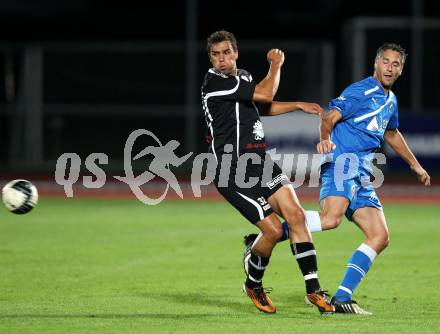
x=118, y=266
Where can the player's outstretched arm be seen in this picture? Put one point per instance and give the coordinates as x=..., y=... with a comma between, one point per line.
x=266, y=89
x=277, y=108
x=395, y=139
x=328, y=121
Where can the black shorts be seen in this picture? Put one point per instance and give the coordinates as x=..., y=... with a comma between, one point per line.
x=252, y=202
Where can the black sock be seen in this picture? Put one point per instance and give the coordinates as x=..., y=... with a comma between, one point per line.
x=305, y=254
x=256, y=267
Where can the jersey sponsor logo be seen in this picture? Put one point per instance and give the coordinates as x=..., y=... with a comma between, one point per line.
x=378, y=124
x=373, y=125
x=276, y=180
x=256, y=145
x=375, y=112
x=258, y=130
x=384, y=125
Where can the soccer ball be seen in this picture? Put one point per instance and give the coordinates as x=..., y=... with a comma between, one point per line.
x=19, y=196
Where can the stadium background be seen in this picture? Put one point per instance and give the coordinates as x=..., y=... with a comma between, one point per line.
x=79, y=76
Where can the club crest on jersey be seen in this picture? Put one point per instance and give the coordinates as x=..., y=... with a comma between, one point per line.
x=390, y=109
x=258, y=130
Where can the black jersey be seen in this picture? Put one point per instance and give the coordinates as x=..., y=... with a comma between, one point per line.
x=230, y=114
x=233, y=119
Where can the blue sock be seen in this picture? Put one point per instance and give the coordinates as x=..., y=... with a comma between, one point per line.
x=357, y=267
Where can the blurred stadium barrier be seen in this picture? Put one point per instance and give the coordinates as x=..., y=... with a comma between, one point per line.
x=88, y=97
x=389, y=192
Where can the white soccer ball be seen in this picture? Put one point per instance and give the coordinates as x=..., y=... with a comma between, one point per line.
x=19, y=196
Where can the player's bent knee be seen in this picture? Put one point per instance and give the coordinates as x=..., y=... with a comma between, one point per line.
x=272, y=232
x=296, y=218
x=380, y=242
x=384, y=242
x=331, y=221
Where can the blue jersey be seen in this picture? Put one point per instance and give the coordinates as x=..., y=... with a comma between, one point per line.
x=366, y=113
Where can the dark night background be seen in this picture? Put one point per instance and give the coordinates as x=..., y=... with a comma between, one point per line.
x=87, y=92
x=139, y=20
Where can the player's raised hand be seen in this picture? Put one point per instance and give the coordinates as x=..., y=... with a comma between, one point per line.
x=311, y=108
x=275, y=56
x=423, y=176
x=325, y=146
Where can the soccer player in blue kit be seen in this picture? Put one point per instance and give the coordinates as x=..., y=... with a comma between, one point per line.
x=358, y=122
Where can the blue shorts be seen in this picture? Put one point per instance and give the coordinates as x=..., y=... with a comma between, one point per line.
x=354, y=185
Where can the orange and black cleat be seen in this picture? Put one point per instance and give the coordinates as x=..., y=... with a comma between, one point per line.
x=321, y=301
x=260, y=299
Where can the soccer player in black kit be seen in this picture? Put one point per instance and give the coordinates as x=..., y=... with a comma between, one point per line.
x=229, y=98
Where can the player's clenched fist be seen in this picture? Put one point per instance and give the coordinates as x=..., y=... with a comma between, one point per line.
x=275, y=56
x=325, y=146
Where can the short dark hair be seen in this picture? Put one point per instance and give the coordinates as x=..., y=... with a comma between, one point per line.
x=392, y=46
x=221, y=36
